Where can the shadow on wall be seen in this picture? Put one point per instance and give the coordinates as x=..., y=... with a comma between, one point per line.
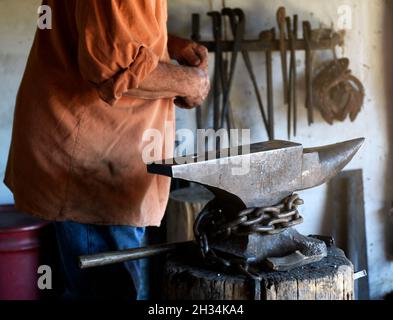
x=387, y=213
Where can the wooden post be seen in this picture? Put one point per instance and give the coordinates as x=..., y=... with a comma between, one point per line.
x=183, y=208
x=329, y=279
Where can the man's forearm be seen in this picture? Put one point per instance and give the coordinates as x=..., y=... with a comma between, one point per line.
x=167, y=81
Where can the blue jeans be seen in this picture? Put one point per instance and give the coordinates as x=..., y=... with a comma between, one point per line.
x=120, y=281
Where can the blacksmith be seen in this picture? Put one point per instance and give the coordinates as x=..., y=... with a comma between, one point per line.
x=93, y=85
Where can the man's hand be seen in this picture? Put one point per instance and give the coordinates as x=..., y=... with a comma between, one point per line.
x=197, y=88
x=188, y=53
x=191, y=54
x=189, y=85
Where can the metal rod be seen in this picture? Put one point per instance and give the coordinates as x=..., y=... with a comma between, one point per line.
x=290, y=81
x=238, y=33
x=309, y=71
x=106, y=258
x=281, y=13
x=270, y=103
x=218, y=70
x=269, y=35
x=196, y=22
x=195, y=36
x=294, y=79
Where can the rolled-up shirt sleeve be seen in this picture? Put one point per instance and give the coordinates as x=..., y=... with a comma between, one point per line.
x=114, y=43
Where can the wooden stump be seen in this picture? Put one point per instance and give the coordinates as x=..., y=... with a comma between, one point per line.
x=183, y=208
x=329, y=279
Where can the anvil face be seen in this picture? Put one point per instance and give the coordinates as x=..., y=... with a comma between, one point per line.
x=263, y=175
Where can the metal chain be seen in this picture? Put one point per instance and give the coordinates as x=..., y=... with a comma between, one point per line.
x=268, y=220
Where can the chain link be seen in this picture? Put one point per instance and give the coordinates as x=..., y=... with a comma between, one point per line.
x=268, y=221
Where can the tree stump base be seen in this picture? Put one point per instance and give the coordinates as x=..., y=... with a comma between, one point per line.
x=328, y=279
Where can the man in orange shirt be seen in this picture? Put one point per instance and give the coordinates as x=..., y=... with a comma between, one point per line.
x=93, y=85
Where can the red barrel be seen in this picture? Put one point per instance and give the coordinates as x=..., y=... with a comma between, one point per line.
x=20, y=254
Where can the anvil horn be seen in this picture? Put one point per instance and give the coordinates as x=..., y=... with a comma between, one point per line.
x=263, y=175
x=323, y=163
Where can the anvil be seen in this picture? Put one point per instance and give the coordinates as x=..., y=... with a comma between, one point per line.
x=259, y=175
x=271, y=171
x=276, y=170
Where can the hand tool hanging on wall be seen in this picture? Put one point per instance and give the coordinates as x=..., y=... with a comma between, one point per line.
x=292, y=96
x=290, y=82
x=241, y=21
x=321, y=39
x=294, y=76
x=195, y=36
x=269, y=36
x=281, y=15
x=237, y=22
x=238, y=32
x=307, y=35
x=337, y=93
x=218, y=66
x=228, y=116
x=221, y=77
x=281, y=20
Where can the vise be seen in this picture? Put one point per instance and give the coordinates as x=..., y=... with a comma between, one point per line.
x=250, y=221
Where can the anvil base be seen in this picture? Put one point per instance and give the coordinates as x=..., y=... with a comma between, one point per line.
x=284, y=251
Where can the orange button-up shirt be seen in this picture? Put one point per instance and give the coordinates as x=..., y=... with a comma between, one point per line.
x=76, y=150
